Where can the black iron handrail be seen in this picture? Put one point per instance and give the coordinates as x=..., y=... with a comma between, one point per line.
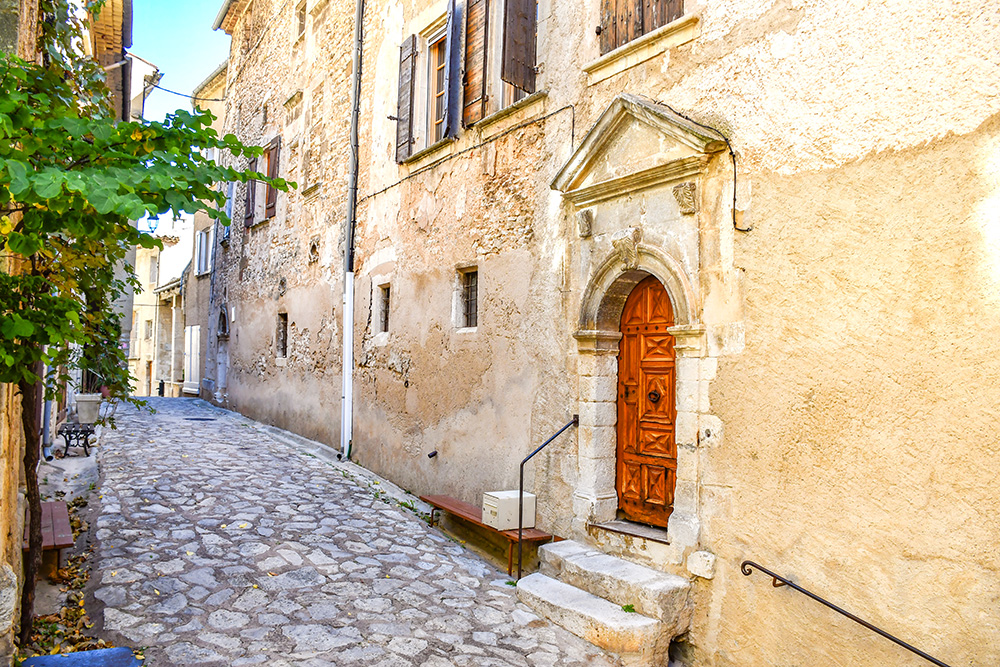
x=520, y=489
x=746, y=567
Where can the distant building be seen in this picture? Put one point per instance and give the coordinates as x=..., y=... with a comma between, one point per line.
x=158, y=350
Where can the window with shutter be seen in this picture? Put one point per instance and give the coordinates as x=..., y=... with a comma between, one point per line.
x=404, y=112
x=501, y=40
x=273, y=162
x=625, y=20
x=519, y=44
x=251, y=198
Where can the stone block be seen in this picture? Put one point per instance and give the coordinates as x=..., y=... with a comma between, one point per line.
x=597, y=474
x=687, y=396
x=652, y=592
x=709, y=368
x=600, y=622
x=598, y=414
x=598, y=388
x=597, y=441
x=688, y=369
x=687, y=463
x=702, y=564
x=686, y=428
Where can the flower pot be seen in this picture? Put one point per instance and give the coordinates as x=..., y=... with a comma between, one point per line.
x=88, y=407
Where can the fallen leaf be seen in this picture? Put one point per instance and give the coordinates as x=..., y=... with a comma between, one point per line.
x=190, y=553
x=271, y=574
x=156, y=591
x=244, y=525
x=223, y=526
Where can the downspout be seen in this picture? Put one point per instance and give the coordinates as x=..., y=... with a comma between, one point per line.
x=347, y=393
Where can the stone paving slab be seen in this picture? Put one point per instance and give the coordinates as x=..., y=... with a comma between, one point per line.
x=221, y=545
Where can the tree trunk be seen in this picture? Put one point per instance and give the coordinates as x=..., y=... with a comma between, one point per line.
x=31, y=395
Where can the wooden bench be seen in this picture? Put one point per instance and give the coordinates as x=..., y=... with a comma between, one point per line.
x=57, y=534
x=474, y=515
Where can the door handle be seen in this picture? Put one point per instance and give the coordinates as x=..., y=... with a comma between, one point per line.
x=654, y=396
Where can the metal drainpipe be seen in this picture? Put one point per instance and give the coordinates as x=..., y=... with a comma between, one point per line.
x=347, y=394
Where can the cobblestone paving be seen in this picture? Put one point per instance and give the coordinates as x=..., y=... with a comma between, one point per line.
x=220, y=545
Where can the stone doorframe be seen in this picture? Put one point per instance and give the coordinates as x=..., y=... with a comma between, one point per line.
x=595, y=499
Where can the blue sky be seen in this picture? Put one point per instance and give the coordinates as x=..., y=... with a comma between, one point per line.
x=177, y=37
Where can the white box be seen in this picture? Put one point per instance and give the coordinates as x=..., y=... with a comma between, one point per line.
x=500, y=510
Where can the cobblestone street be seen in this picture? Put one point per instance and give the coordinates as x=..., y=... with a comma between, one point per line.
x=222, y=545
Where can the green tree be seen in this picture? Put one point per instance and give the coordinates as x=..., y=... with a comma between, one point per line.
x=71, y=180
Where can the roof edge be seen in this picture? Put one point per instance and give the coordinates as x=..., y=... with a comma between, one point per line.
x=221, y=16
x=211, y=77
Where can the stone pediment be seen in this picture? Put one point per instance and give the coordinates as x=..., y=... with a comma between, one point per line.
x=635, y=144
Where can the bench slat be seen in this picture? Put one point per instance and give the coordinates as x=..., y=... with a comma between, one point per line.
x=56, y=530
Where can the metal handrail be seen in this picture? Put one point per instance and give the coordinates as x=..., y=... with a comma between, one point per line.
x=746, y=567
x=520, y=489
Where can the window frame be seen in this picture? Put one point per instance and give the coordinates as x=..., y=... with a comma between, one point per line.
x=384, y=307
x=203, y=251
x=281, y=337
x=467, y=302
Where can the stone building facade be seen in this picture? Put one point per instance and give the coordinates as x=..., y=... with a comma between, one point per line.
x=760, y=188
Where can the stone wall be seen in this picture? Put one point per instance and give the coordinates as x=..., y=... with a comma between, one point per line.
x=295, y=88
x=836, y=378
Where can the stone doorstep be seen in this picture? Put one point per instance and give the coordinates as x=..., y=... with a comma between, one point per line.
x=600, y=622
x=653, y=593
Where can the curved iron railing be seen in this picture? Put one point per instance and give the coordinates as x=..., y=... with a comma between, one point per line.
x=747, y=567
x=520, y=489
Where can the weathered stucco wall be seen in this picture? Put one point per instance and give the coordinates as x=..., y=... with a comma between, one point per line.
x=282, y=85
x=840, y=400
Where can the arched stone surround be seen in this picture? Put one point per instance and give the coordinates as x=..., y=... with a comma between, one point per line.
x=595, y=499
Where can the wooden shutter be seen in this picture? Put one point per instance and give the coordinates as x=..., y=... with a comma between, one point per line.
x=629, y=21
x=404, y=110
x=452, y=82
x=658, y=13
x=609, y=26
x=518, y=67
x=251, y=196
x=273, y=163
x=477, y=22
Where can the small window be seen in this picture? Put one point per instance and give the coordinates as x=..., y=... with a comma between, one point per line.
x=203, y=251
x=470, y=298
x=152, y=270
x=149, y=329
x=383, y=309
x=281, y=343
x=300, y=20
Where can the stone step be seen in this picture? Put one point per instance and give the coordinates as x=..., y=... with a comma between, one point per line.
x=651, y=592
x=600, y=622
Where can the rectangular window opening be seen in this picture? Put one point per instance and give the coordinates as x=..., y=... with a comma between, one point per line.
x=383, y=321
x=281, y=343
x=470, y=298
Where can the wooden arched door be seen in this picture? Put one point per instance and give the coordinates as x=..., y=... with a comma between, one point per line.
x=647, y=451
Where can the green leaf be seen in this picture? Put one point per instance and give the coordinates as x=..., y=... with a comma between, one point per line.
x=18, y=177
